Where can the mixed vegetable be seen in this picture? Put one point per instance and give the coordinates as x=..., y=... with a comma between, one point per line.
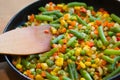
x=85, y=44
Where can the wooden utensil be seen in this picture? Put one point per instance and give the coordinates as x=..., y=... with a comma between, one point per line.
x=25, y=41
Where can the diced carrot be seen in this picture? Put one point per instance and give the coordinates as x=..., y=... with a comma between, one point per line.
x=31, y=76
x=110, y=24
x=90, y=43
x=54, y=45
x=108, y=38
x=32, y=18
x=28, y=72
x=50, y=8
x=43, y=74
x=116, y=48
x=73, y=23
x=93, y=12
x=118, y=34
x=98, y=22
x=96, y=31
x=103, y=63
x=82, y=9
x=71, y=35
x=64, y=40
x=70, y=27
x=118, y=64
x=96, y=26
x=79, y=26
x=38, y=66
x=55, y=54
x=88, y=59
x=50, y=3
x=63, y=48
x=105, y=23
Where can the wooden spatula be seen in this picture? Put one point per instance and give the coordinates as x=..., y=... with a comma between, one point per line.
x=25, y=41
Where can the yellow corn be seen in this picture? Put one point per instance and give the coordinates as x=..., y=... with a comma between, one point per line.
x=87, y=48
x=82, y=64
x=82, y=78
x=88, y=63
x=18, y=66
x=94, y=65
x=56, y=69
x=53, y=73
x=69, y=60
x=97, y=60
x=59, y=61
x=66, y=16
x=44, y=66
x=39, y=77
x=65, y=7
x=77, y=51
x=53, y=30
x=77, y=7
x=62, y=22
x=105, y=15
x=60, y=5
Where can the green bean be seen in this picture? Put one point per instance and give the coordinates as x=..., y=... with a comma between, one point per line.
x=65, y=78
x=108, y=59
x=70, y=72
x=92, y=18
x=115, y=18
x=49, y=62
x=79, y=35
x=38, y=71
x=81, y=21
x=85, y=74
x=91, y=8
x=112, y=66
x=110, y=33
x=25, y=62
x=102, y=36
x=56, y=26
x=111, y=52
x=71, y=41
x=56, y=12
x=44, y=17
x=42, y=9
x=115, y=29
x=56, y=40
x=74, y=70
x=46, y=55
x=55, y=21
x=72, y=4
x=51, y=77
x=99, y=44
x=112, y=74
x=116, y=44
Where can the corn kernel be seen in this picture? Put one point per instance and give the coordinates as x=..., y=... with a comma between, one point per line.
x=53, y=30
x=53, y=73
x=18, y=66
x=82, y=78
x=97, y=60
x=82, y=64
x=44, y=66
x=105, y=15
x=77, y=7
x=66, y=16
x=60, y=5
x=77, y=51
x=59, y=61
x=56, y=69
x=65, y=7
x=87, y=48
x=94, y=65
x=39, y=77
x=62, y=22
x=88, y=63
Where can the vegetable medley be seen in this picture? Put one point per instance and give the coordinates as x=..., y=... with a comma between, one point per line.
x=85, y=44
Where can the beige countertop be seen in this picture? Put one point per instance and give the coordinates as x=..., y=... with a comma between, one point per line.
x=8, y=8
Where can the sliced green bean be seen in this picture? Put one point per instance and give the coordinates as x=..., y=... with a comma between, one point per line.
x=56, y=40
x=108, y=59
x=85, y=74
x=102, y=36
x=56, y=12
x=111, y=52
x=112, y=74
x=46, y=55
x=65, y=78
x=71, y=41
x=115, y=18
x=51, y=77
x=44, y=17
x=55, y=25
x=72, y=4
x=81, y=21
x=116, y=44
x=55, y=21
x=115, y=29
x=79, y=35
x=70, y=72
x=42, y=9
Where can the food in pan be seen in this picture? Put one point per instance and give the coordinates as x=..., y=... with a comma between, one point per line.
x=85, y=44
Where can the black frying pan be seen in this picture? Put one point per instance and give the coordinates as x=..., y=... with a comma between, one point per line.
x=112, y=6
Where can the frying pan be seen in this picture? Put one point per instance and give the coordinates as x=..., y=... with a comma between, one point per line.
x=112, y=6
